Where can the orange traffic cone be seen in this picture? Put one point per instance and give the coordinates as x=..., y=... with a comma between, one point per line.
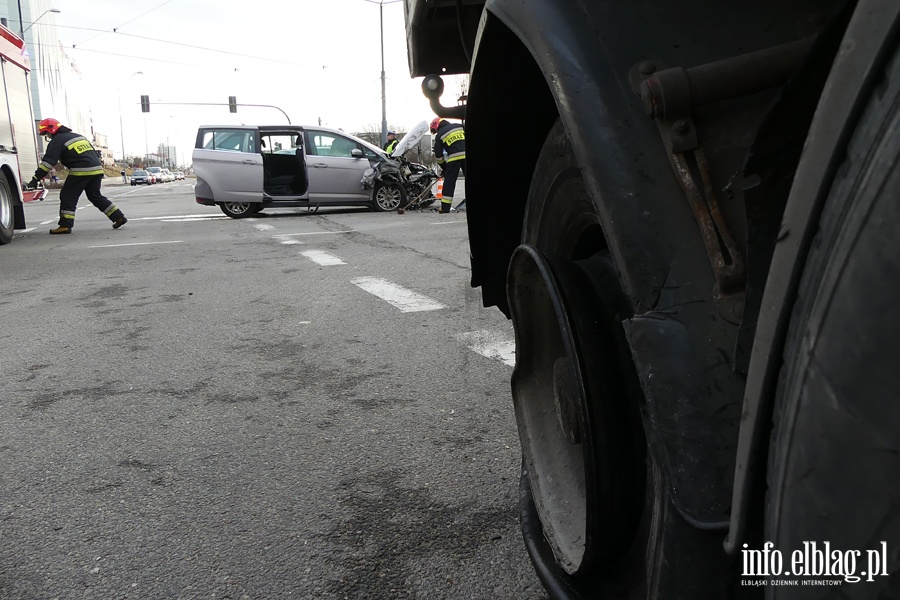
x=440, y=189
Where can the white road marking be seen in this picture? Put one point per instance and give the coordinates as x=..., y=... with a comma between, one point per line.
x=447, y=222
x=192, y=220
x=396, y=295
x=315, y=233
x=286, y=241
x=491, y=345
x=263, y=227
x=27, y=230
x=48, y=222
x=137, y=244
x=320, y=257
x=195, y=216
x=136, y=188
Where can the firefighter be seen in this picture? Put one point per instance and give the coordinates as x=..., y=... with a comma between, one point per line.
x=450, y=152
x=85, y=174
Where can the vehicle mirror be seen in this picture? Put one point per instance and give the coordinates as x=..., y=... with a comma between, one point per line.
x=356, y=153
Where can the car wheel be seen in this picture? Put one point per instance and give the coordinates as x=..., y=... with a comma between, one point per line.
x=597, y=512
x=238, y=210
x=388, y=196
x=834, y=455
x=7, y=218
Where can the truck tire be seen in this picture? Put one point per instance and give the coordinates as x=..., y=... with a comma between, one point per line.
x=7, y=216
x=834, y=455
x=597, y=513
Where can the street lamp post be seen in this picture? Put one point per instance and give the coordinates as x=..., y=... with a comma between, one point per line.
x=383, y=94
x=380, y=4
x=49, y=10
x=121, y=126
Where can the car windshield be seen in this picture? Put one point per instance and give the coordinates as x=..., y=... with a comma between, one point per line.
x=139, y=173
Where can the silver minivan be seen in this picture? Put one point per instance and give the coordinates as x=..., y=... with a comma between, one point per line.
x=244, y=169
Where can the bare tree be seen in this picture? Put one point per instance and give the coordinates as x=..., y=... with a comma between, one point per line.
x=460, y=83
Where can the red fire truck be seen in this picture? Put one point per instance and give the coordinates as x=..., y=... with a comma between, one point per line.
x=18, y=140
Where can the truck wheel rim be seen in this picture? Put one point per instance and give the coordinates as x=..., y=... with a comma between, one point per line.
x=577, y=432
x=6, y=218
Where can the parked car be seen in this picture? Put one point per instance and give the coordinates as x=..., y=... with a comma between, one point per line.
x=179, y=175
x=243, y=169
x=141, y=178
x=168, y=175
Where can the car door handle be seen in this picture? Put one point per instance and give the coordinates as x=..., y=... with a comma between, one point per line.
x=249, y=162
x=320, y=165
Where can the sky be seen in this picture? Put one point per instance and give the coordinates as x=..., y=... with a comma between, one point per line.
x=312, y=59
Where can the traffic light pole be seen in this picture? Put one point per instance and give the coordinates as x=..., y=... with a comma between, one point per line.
x=231, y=104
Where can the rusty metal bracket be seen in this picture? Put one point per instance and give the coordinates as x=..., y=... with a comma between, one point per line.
x=669, y=95
x=724, y=256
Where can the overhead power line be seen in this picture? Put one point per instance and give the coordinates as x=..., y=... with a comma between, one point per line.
x=127, y=22
x=183, y=45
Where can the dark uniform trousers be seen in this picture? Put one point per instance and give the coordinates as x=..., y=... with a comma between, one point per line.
x=71, y=191
x=451, y=172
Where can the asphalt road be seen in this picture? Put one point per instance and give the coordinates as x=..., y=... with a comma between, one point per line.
x=308, y=405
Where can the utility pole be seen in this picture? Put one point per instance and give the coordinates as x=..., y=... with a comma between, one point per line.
x=380, y=4
x=383, y=95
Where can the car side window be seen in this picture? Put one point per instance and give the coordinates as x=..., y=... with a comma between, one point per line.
x=328, y=144
x=371, y=154
x=231, y=140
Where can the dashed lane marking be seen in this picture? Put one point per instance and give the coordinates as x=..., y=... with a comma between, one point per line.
x=404, y=299
x=264, y=227
x=285, y=238
x=320, y=257
x=490, y=344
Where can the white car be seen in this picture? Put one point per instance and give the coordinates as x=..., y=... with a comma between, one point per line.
x=243, y=169
x=157, y=174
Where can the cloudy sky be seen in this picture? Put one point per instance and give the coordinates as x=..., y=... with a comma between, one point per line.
x=313, y=59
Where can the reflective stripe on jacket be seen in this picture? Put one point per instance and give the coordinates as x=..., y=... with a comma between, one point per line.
x=74, y=151
x=452, y=138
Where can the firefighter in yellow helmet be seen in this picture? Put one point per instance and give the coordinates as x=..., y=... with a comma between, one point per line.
x=85, y=174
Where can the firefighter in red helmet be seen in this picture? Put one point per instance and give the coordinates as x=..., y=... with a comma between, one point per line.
x=85, y=174
x=450, y=152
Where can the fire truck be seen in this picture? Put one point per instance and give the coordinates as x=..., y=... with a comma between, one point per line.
x=18, y=138
x=689, y=210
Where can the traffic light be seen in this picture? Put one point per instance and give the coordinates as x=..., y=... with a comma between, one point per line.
x=232, y=104
x=145, y=103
